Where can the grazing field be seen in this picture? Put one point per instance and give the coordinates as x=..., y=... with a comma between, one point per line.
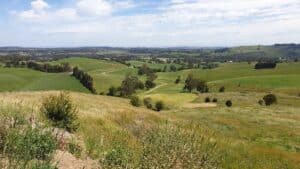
x=117, y=135
x=23, y=79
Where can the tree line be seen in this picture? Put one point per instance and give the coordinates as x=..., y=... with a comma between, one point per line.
x=265, y=65
x=85, y=79
x=43, y=67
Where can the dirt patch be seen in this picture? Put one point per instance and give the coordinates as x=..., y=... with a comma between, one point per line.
x=200, y=105
x=65, y=160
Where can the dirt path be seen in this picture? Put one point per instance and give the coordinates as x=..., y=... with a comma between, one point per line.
x=157, y=87
x=199, y=105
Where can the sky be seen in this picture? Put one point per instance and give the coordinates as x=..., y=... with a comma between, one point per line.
x=148, y=23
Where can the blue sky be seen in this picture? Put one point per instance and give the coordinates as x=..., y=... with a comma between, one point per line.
x=148, y=23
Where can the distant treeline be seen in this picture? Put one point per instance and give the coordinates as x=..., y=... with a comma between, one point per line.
x=85, y=79
x=265, y=65
x=43, y=67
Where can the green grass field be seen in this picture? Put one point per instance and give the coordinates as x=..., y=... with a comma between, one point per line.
x=23, y=79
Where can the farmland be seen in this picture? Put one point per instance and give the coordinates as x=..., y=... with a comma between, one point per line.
x=247, y=135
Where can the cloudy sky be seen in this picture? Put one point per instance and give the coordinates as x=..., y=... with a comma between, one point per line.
x=148, y=23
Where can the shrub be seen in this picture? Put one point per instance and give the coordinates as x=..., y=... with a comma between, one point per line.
x=112, y=91
x=74, y=149
x=215, y=100
x=222, y=89
x=148, y=103
x=228, y=103
x=178, y=80
x=159, y=105
x=135, y=101
x=261, y=102
x=207, y=100
x=29, y=145
x=270, y=99
x=61, y=112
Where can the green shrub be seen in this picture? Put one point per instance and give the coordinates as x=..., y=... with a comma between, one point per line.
x=74, y=149
x=228, y=103
x=207, y=100
x=222, y=89
x=148, y=103
x=215, y=100
x=270, y=99
x=135, y=101
x=61, y=112
x=159, y=105
x=29, y=148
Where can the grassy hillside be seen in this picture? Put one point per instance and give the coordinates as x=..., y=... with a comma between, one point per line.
x=23, y=79
x=105, y=73
x=247, y=135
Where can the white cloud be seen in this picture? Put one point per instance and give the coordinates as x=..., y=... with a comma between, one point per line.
x=94, y=7
x=39, y=5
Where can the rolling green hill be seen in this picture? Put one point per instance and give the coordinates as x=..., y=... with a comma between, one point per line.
x=23, y=79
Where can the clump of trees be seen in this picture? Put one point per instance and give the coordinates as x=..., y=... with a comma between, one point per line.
x=265, y=65
x=270, y=99
x=150, y=81
x=61, y=112
x=129, y=85
x=85, y=79
x=192, y=83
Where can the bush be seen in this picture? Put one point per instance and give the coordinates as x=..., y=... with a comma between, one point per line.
x=148, y=103
x=74, y=149
x=159, y=105
x=228, y=103
x=135, y=101
x=261, y=102
x=207, y=100
x=270, y=99
x=112, y=91
x=61, y=112
x=215, y=100
x=222, y=89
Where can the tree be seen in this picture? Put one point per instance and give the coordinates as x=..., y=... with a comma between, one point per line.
x=189, y=83
x=201, y=86
x=129, y=85
x=150, y=81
